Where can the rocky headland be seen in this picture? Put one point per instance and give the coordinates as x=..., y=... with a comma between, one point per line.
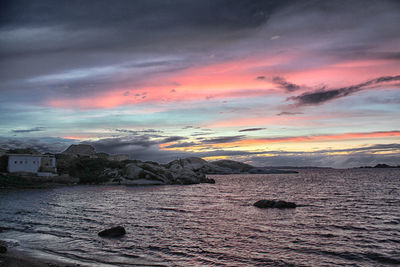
x=83, y=165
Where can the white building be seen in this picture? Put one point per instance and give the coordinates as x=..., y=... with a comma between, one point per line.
x=42, y=165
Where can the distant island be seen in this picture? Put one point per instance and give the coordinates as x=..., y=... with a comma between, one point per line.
x=82, y=164
x=380, y=166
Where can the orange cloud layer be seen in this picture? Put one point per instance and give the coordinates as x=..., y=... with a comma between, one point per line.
x=313, y=138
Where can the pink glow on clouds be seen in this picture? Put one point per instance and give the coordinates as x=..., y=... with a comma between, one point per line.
x=155, y=95
x=235, y=79
x=345, y=73
x=78, y=137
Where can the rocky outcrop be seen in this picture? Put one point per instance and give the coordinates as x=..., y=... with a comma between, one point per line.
x=188, y=170
x=81, y=150
x=181, y=171
x=117, y=231
x=185, y=171
x=278, y=204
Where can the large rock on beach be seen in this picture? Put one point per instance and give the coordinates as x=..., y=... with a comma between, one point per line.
x=278, y=204
x=113, y=232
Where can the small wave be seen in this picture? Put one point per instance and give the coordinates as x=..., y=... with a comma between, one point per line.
x=130, y=256
x=173, y=209
x=343, y=254
x=381, y=258
x=350, y=227
x=394, y=222
x=22, y=212
x=327, y=235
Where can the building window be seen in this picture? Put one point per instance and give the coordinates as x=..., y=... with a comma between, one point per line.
x=26, y=162
x=34, y=162
x=16, y=162
x=21, y=162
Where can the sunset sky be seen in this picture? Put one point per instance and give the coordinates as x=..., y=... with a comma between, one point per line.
x=270, y=83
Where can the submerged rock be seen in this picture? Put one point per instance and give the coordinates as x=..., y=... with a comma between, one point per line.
x=113, y=232
x=278, y=204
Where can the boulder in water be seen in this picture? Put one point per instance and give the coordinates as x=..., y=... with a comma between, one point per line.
x=278, y=204
x=113, y=232
x=3, y=249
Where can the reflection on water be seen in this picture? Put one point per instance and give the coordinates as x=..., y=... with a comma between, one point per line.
x=346, y=217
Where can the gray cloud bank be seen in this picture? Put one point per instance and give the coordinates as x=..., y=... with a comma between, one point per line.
x=145, y=148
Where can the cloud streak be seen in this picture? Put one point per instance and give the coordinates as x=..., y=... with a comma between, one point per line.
x=322, y=96
x=35, y=129
x=251, y=129
x=288, y=86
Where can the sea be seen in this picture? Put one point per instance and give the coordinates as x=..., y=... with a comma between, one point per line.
x=345, y=217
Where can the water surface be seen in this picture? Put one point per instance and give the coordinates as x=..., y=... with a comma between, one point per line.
x=346, y=217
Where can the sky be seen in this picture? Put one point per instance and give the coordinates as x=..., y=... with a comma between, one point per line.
x=269, y=83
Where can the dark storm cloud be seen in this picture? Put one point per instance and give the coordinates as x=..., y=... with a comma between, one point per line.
x=35, y=129
x=130, y=20
x=251, y=129
x=93, y=46
x=289, y=87
x=322, y=96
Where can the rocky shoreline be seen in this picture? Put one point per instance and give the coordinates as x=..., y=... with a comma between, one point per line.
x=81, y=164
x=181, y=171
